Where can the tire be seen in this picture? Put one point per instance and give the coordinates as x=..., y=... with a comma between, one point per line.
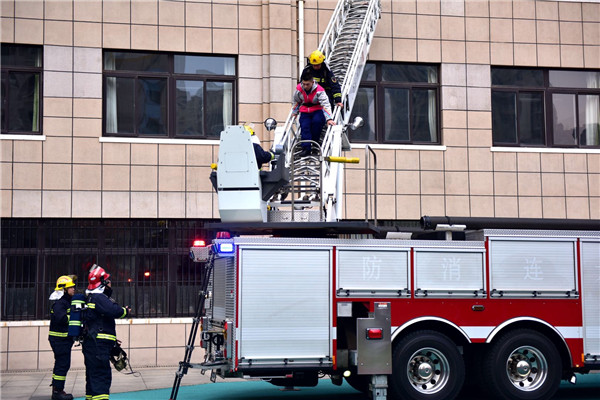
x=523, y=365
x=426, y=365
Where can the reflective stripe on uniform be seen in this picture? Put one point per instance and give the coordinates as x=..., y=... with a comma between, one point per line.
x=91, y=305
x=88, y=397
x=59, y=378
x=106, y=336
x=78, y=302
x=74, y=323
x=58, y=334
x=100, y=397
x=124, y=313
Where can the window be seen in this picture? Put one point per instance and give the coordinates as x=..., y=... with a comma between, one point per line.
x=21, y=89
x=399, y=103
x=553, y=108
x=167, y=95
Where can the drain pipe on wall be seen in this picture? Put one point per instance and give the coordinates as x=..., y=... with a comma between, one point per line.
x=300, y=37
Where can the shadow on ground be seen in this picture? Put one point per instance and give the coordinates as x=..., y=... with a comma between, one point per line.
x=587, y=388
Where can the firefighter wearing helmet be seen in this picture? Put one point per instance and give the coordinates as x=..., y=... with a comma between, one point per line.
x=261, y=155
x=324, y=77
x=60, y=342
x=100, y=337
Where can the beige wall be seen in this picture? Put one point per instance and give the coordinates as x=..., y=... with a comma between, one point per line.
x=73, y=172
x=148, y=342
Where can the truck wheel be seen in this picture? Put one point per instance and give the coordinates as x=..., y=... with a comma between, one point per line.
x=523, y=365
x=426, y=365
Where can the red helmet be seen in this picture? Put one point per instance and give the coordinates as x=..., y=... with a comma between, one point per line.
x=97, y=277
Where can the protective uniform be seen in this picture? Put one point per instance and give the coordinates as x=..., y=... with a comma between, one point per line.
x=314, y=111
x=60, y=342
x=101, y=334
x=324, y=77
x=261, y=155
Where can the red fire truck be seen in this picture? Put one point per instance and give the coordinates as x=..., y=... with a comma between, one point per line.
x=405, y=318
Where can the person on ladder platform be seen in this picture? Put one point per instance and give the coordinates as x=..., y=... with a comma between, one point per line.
x=314, y=108
x=58, y=337
x=324, y=77
x=101, y=337
x=261, y=155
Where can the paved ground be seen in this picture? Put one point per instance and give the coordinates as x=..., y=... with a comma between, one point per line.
x=35, y=385
x=156, y=383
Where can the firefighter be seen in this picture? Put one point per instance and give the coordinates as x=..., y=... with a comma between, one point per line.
x=324, y=77
x=100, y=336
x=312, y=104
x=58, y=337
x=261, y=155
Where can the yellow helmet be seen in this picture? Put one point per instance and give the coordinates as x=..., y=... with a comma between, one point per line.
x=316, y=57
x=249, y=127
x=65, y=281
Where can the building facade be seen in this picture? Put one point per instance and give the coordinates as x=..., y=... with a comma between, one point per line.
x=112, y=109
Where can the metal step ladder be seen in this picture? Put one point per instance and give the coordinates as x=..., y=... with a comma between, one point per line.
x=186, y=364
x=316, y=181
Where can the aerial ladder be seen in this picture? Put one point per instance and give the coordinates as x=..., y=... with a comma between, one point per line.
x=301, y=189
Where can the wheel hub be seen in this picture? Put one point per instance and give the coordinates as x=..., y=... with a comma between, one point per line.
x=424, y=371
x=523, y=368
x=428, y=370
x=527, y=368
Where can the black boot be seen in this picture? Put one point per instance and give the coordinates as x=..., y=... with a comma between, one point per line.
x=305, y=152
x=59, y=394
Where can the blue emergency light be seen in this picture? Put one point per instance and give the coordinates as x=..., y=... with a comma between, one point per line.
x=225, y=248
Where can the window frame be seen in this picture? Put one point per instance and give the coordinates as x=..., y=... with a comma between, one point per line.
x=379, y=86
x=171, y=77
x=548, y=91
x=25, y=69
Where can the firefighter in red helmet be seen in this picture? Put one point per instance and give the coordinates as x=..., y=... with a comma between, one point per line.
x=101, y=337
x=58, y=337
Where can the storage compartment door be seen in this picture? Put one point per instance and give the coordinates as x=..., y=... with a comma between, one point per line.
x=533, y=268
x=284, y=306
x=590, y=277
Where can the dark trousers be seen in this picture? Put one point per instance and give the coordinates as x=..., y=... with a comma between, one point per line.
x=61, y=347
x=311, y=125
x=98, y=376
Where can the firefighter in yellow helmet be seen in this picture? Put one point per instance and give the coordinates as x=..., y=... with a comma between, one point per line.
x=58, y=337
x=261, y=155
x=324, y=77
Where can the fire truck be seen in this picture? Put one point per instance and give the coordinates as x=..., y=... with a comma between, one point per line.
x=292, y=294
x=405, y=316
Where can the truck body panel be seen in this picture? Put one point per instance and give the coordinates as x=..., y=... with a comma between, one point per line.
x=283, y=295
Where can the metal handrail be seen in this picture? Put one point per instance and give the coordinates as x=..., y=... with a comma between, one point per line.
x=292, y=174
x=368, y=150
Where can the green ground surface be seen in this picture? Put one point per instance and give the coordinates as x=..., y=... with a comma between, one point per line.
x=587, y=388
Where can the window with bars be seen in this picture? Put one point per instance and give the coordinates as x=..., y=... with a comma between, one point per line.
x=21, y=89
x=149, y=94
x=399, y=104
x=148, y=261
x=545, y=107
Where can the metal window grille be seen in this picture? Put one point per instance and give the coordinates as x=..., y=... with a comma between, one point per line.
x=147, y=259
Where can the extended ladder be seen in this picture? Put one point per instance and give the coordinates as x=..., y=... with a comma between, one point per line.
x=317, y=181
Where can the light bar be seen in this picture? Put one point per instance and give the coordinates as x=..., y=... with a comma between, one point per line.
x=199, y=243
x=225, y=247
